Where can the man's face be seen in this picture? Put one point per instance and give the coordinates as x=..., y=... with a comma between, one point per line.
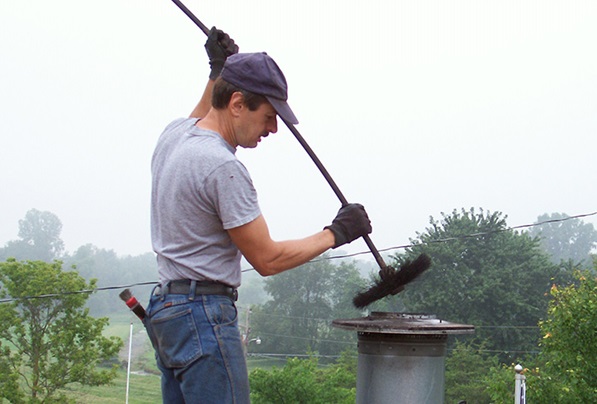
x=254, y=125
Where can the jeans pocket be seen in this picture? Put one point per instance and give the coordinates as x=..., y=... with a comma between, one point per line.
x=175, y=335
x=222, y=312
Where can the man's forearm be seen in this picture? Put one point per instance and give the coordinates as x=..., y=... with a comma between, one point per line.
x=204, y=104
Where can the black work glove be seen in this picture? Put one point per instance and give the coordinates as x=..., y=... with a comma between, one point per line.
x=218, y=46
x=350, y=223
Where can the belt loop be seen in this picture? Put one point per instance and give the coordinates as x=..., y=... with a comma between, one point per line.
x=192, y=289
x=165, y=290
x=154, y=291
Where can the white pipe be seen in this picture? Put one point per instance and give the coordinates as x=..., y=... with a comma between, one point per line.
x=128, y=367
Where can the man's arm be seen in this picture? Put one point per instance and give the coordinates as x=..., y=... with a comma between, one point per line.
x=270, y=257
x=218, y=46
x=204, y=104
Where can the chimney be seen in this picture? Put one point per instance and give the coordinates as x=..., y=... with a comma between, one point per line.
x=401, y=356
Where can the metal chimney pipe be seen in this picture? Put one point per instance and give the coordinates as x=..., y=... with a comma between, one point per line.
x=401, y=356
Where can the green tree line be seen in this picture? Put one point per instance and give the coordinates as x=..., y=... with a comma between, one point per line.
x=482, y=273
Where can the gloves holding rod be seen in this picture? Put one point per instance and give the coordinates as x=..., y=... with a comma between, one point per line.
x=218, y=47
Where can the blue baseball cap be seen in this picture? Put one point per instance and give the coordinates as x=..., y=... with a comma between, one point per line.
x=259, y=74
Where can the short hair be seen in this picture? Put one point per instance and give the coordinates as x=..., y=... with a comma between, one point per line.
x=222, y=93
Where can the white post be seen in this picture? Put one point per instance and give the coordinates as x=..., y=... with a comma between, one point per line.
x=245, y=337
x=128, y=367
x=519, y=386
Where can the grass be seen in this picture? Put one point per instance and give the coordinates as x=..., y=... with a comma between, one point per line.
x=264, y=363
x=143, y=356
x=143, y=389
x=120, y=324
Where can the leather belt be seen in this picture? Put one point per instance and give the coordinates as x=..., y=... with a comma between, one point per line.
x=183, y=287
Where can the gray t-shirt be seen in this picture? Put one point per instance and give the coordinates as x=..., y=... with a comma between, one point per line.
x=199, y=190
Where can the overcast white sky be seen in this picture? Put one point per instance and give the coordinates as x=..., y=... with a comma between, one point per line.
x=414, y=107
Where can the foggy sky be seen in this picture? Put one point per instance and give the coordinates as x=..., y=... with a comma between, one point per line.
x=415, y=108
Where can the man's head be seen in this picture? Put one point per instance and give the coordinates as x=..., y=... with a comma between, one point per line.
x=258, y=75
x=247, y=117
x=222, y=93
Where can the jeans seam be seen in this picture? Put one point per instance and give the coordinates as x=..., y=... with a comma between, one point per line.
x=225, y=354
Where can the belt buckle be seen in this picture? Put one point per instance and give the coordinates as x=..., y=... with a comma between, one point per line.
x=235, y=294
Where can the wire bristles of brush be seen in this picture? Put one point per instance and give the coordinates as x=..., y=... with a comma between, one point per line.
x=393, y=281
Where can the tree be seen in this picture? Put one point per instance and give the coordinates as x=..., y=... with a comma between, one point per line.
x=466, y=372
x=569, y=343
x=565, y=371
x=251, y=290
x=50, y=342
x=565, y=240
x=39, y=234
x=92, y=262
x=500, y=382
x=485, y=275
x=9, y=381
x=304, y=303
x=303, y=381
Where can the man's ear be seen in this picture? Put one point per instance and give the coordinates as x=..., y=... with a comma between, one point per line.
x=236, y=104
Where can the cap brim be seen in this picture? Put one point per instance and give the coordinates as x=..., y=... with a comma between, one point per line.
x=283, y=109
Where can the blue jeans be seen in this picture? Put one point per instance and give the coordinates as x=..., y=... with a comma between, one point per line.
x=198, y=349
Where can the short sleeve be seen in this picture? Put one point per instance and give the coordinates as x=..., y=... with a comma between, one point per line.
x=233, y=195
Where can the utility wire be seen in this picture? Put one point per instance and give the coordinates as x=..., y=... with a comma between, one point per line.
x=76, y=292
x=288, y=355
x=319, y=340
x=463, y=237
x=304, y=338
x=444, y=240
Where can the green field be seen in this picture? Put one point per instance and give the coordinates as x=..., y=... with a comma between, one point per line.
x=144, y=383
x=143, y=389
x=144, y=386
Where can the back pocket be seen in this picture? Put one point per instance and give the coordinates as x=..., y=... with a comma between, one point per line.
x=176, y=336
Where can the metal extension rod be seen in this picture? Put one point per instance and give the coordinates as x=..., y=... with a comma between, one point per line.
x=307, y=148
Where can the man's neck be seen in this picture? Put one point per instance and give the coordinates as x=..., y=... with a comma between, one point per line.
x=216, y=121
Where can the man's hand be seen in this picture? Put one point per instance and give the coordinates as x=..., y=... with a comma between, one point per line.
x=219, y=46
x=350, y=223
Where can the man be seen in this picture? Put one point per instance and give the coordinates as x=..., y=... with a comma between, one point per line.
x=205, y=215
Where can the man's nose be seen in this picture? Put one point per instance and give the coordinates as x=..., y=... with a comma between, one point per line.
x=274, y=126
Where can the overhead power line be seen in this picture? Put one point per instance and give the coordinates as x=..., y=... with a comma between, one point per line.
x=444, y=240
x=77, y=292
x=463, y=237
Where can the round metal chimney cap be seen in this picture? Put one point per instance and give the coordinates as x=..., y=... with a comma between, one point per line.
x=403, y=323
